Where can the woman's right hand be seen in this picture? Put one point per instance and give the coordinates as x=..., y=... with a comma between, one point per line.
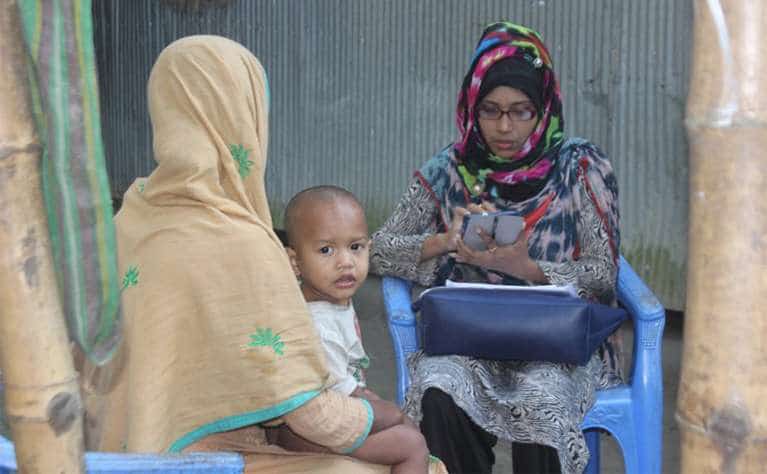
x=439, y=244
x=455, y=231
x=442, y=243
x=485, y=206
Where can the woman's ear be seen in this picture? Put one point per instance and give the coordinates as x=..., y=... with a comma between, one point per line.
x=293, y=261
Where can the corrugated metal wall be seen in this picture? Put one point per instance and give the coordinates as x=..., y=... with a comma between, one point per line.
x=363, y=92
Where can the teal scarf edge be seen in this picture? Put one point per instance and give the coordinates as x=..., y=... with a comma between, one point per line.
x=361, y=439
x=244, y=419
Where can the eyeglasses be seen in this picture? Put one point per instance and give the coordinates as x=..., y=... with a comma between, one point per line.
x=517, y=113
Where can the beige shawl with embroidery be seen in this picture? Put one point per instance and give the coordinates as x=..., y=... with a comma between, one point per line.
x=217, y=335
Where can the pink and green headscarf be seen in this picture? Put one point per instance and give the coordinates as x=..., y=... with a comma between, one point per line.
x=479, y=168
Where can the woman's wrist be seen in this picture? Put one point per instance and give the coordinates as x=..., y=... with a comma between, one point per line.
x=433, y=246
x=535, y=273
x=527, y=270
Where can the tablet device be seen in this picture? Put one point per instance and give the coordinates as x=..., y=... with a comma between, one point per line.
x=503, y=227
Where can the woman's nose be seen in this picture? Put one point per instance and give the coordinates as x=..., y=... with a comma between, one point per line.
x=504, y=123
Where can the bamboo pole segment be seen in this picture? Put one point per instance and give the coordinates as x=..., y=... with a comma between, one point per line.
x=42, y=397
x=722, y=404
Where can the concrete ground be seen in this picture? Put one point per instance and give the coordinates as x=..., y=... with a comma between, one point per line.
x=381, y=377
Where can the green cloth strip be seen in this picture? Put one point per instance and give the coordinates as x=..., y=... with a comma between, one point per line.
x=59, y=38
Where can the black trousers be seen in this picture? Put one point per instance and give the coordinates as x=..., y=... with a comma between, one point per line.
x=465, y=448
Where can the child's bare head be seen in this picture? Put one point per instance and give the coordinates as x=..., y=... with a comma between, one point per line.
x=327, y=242
x=300, y=207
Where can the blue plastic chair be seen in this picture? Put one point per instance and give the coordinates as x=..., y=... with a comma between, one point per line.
x=632, y=413
x=124, y=463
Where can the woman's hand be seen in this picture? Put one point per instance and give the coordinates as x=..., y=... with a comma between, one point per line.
x=455, y=232
x=511, y=259
x=439, y=244
x=485, y=206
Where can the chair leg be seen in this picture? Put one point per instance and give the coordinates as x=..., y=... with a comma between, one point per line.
x=592, y=442
x=625, y=436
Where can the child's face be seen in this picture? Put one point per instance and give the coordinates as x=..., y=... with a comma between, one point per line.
x=330, y=254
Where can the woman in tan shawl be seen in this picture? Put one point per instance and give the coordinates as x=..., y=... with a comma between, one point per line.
x=217, y=337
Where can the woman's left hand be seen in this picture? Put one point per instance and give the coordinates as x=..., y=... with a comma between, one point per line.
x=511, y=259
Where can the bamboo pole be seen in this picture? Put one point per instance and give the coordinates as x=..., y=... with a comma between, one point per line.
x=722, y=404
x=42, y=398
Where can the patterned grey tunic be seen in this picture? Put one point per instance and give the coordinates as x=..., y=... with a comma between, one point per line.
x=531, y=402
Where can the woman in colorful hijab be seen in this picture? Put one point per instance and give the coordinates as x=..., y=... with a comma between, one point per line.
x=217, y=337
x=512, y=155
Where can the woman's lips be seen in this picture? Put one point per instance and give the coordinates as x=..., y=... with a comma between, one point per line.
x=505, y=145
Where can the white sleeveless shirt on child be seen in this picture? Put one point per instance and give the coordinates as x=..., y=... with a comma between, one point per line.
x=339, y=332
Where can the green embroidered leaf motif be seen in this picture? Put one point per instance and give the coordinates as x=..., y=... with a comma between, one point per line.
x=141, y=187
x=131, y=277
x=240, y=155
x=277, y=346
x=265, y=337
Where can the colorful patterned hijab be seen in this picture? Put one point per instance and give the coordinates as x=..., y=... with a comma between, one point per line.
x=482, y=171
x=541, y=183
x=217, y=335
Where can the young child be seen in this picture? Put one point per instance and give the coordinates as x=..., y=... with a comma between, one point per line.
x=328, y=246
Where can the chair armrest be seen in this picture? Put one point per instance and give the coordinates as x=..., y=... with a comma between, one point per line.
x=638, y=299
x=402, y=328
x=649, y=318
x=123, y=463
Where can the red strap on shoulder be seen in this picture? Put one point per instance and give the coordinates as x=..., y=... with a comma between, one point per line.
x=427, y=186
x=533, y=218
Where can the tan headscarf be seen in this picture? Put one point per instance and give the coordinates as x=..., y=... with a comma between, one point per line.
x=217, y=335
